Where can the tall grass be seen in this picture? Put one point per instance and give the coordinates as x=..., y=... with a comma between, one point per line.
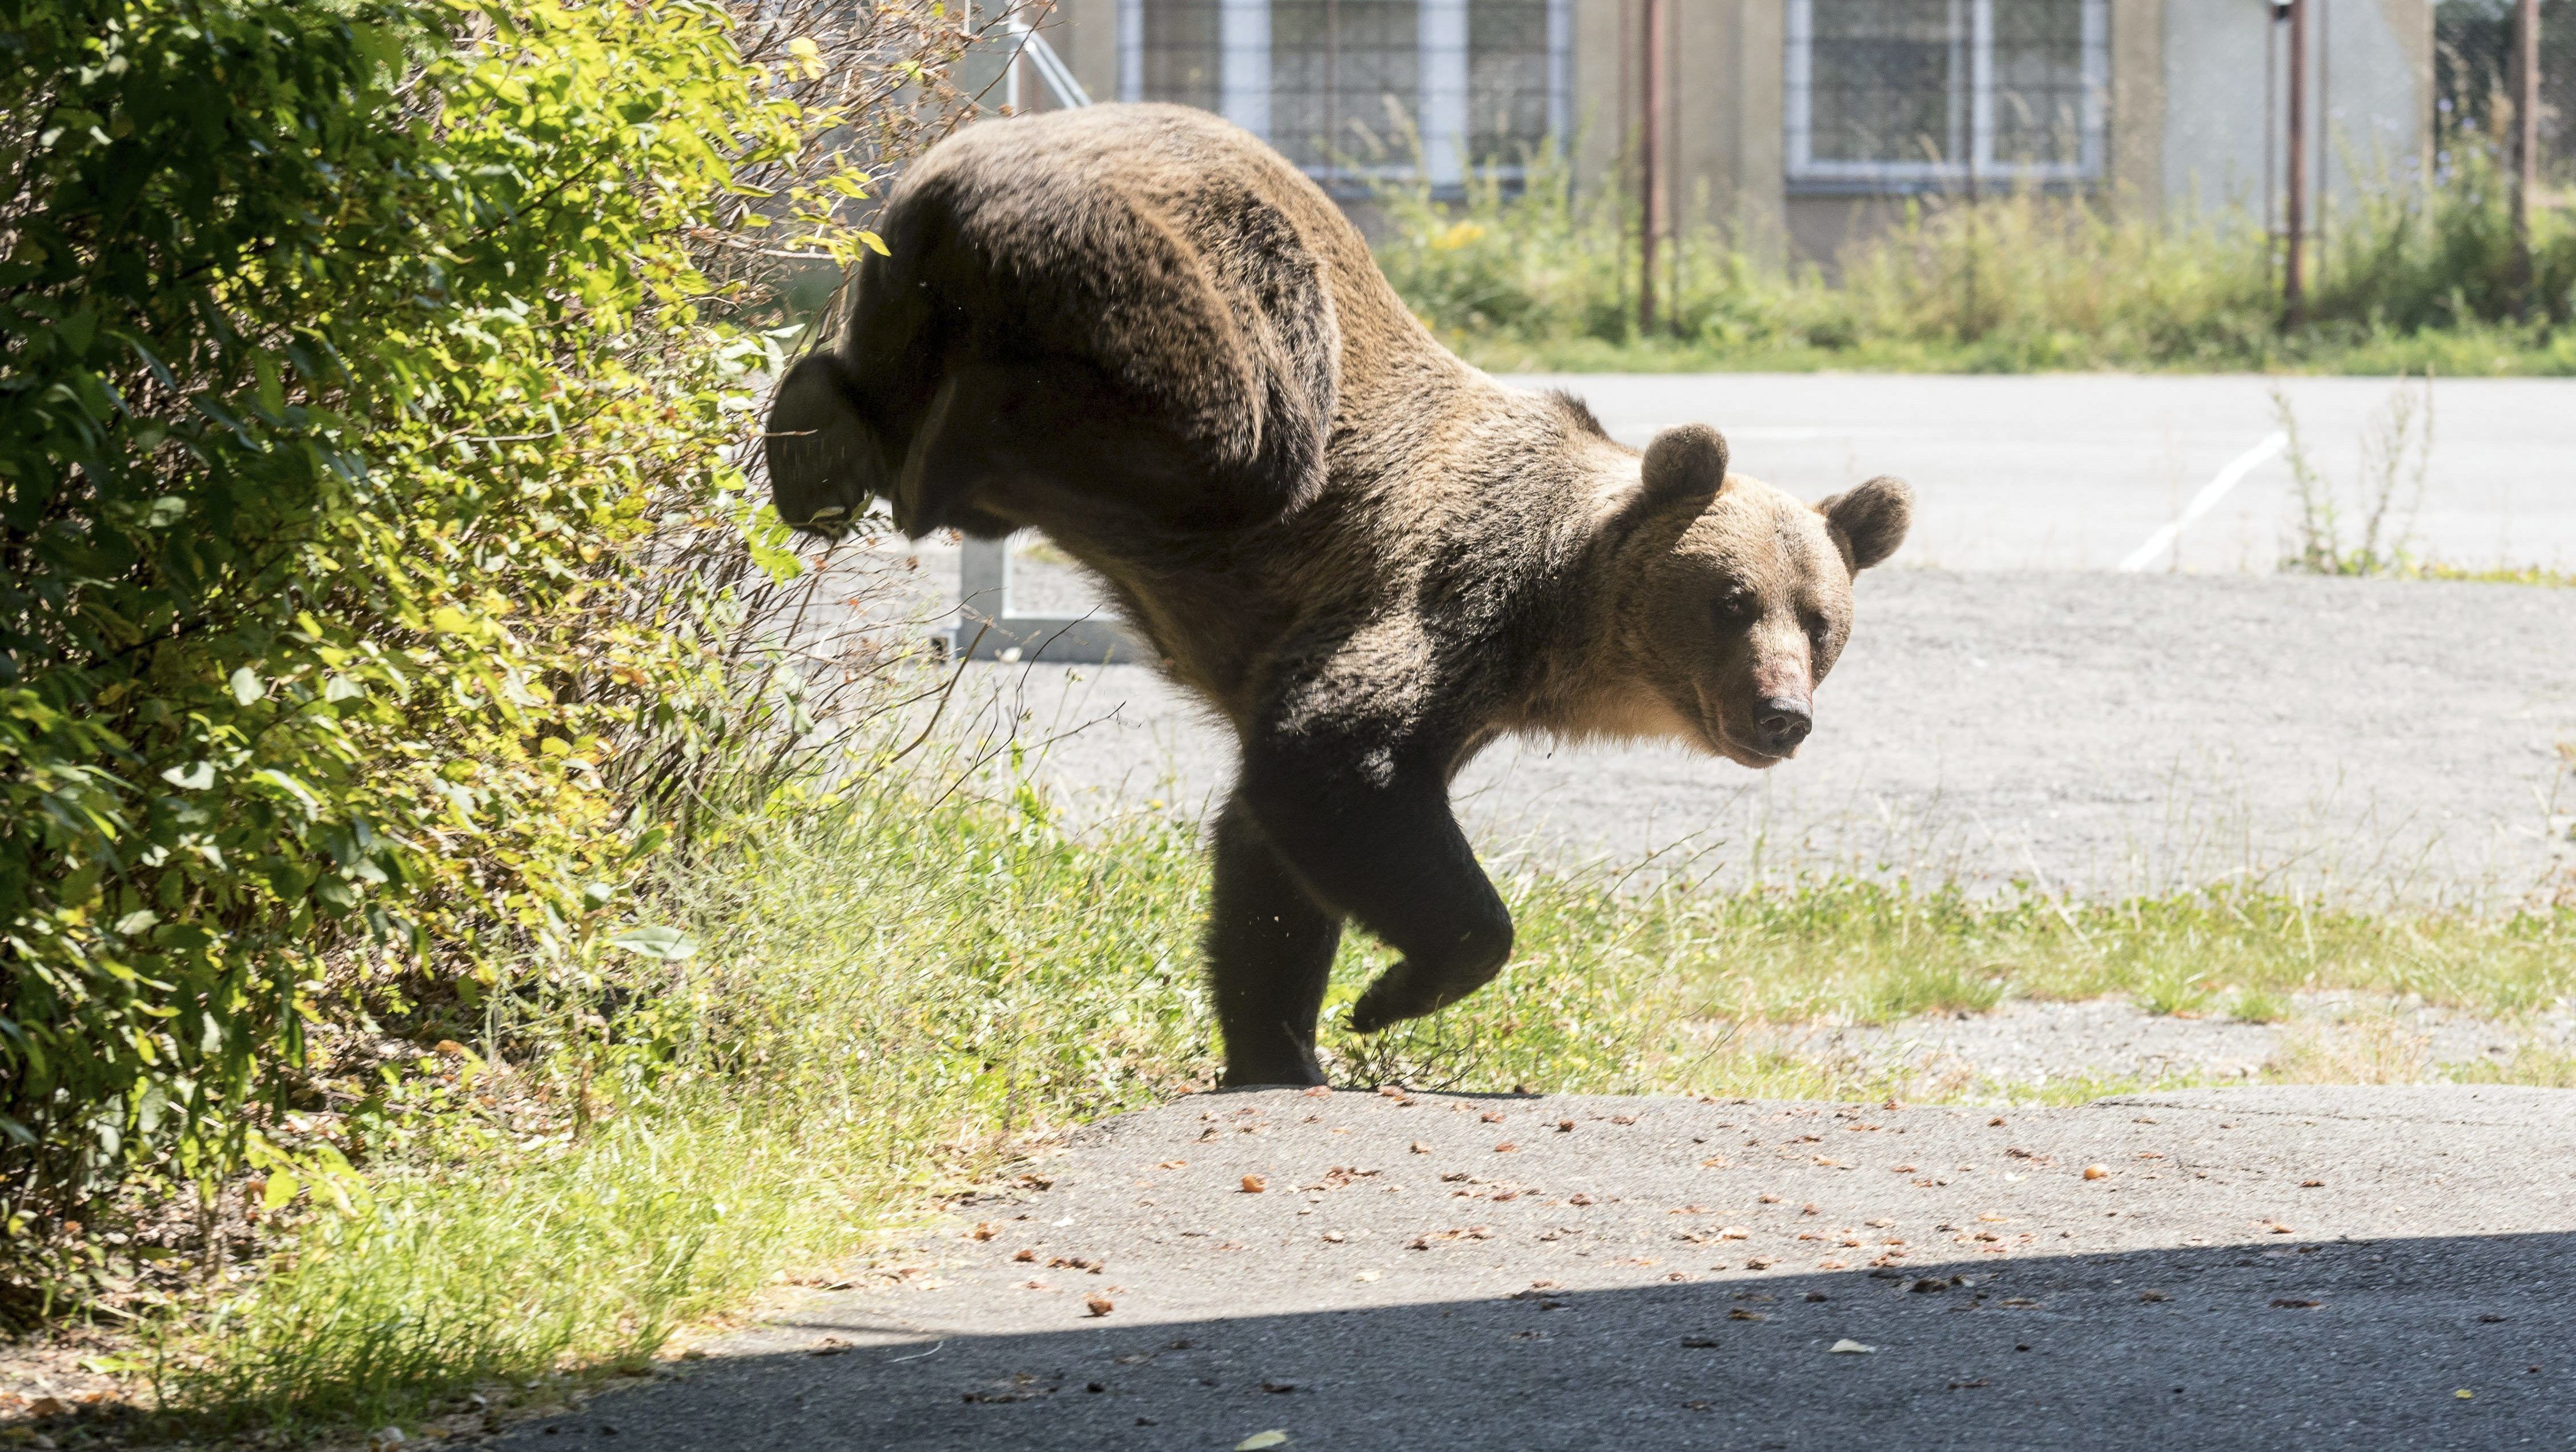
x=1545, y=275
x=894, y=990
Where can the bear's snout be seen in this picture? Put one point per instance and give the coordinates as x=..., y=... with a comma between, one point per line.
x=1781, y=723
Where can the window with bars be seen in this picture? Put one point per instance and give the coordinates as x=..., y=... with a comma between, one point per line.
x=1355, y=88
x=1899, y=95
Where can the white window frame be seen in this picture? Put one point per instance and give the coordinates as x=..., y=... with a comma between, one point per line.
x=1973, y=26
x=1442, y=114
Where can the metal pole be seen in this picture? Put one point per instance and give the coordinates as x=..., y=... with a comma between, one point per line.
x=2526, y=132
x=1650, y=181
x=2293, y=279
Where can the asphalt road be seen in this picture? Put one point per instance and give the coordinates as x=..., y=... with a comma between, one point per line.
x=2250, y=1268
x=2076, y=471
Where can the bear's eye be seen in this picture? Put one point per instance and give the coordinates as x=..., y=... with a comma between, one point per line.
x=1734, y=607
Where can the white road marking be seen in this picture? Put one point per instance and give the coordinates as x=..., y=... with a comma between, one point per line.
x=2206, y=500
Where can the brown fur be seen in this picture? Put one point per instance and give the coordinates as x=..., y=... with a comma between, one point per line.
x=1142, y=331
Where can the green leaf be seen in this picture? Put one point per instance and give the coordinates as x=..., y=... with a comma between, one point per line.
x=247, y=686
x=648, y=941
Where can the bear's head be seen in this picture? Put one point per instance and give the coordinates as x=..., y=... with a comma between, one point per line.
x=1731, y=599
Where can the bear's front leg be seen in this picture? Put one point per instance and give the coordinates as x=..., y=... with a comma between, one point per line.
x=1270, y=950
x=1371, y=836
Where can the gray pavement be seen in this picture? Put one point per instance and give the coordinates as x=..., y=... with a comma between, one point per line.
x=2247, y=1268
x=2010, y=705
x=2097, y=731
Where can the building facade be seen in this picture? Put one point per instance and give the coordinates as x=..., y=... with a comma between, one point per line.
x=1795, y=124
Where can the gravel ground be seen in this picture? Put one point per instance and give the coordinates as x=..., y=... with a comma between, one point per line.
x=2252, y=1268
x=2097, y=731
x=2023, y=1044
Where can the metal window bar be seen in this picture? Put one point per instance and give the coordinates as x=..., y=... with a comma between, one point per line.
x=1927, y=95
x=1351, y=89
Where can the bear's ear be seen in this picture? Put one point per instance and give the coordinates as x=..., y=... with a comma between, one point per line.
x=822, y=454
x=1869, y=522
x=1684, y=468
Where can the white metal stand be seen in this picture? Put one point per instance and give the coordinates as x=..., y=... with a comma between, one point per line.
x=987, y=629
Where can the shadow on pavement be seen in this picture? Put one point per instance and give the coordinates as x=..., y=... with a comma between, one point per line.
x=2462, y=1341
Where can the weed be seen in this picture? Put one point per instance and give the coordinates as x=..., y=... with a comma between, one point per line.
x=2371, y=1049
x=2259, y=1005
x=1542, y=276
x=2396, y=450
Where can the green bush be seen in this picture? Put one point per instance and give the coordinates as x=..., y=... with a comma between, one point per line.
x=356, y=361
x=1546, y=275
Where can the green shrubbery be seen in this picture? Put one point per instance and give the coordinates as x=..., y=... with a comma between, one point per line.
x=1542, y=277
x=355, y=364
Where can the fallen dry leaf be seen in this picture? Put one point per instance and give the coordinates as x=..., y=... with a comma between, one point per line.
x=2153, y=1296
x=1490, y=1117
x=1024, y=1255
x=1254, y=1184
x=1849, y=1347
x=1259, y=1440
x=1319, y=1092
x=983, y=1231
x=1099, y=1305
x=1565, y=1126
x=1333, y=1237
x=2312, y=1184
x=1741, y=1314
x=1506, y=1147
x=1420, y=1148
x=2097, y=1172
x=2293, y=1303
x=1173, y=1165
x=1366, y=1275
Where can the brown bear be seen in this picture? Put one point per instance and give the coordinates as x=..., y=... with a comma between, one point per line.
x=1139, y=329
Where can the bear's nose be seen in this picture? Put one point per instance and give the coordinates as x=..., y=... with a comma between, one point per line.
x=1782, y=723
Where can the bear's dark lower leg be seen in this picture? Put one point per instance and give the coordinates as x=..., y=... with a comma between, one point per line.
x=1270, y=950
x=1390, y=856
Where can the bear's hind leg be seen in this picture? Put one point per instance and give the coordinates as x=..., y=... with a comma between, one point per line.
x=1270, y=950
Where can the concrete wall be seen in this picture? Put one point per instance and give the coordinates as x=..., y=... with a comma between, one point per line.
x=2193, y=124
x=1721, y=141
x=2226, y=125
x=1085, y=34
